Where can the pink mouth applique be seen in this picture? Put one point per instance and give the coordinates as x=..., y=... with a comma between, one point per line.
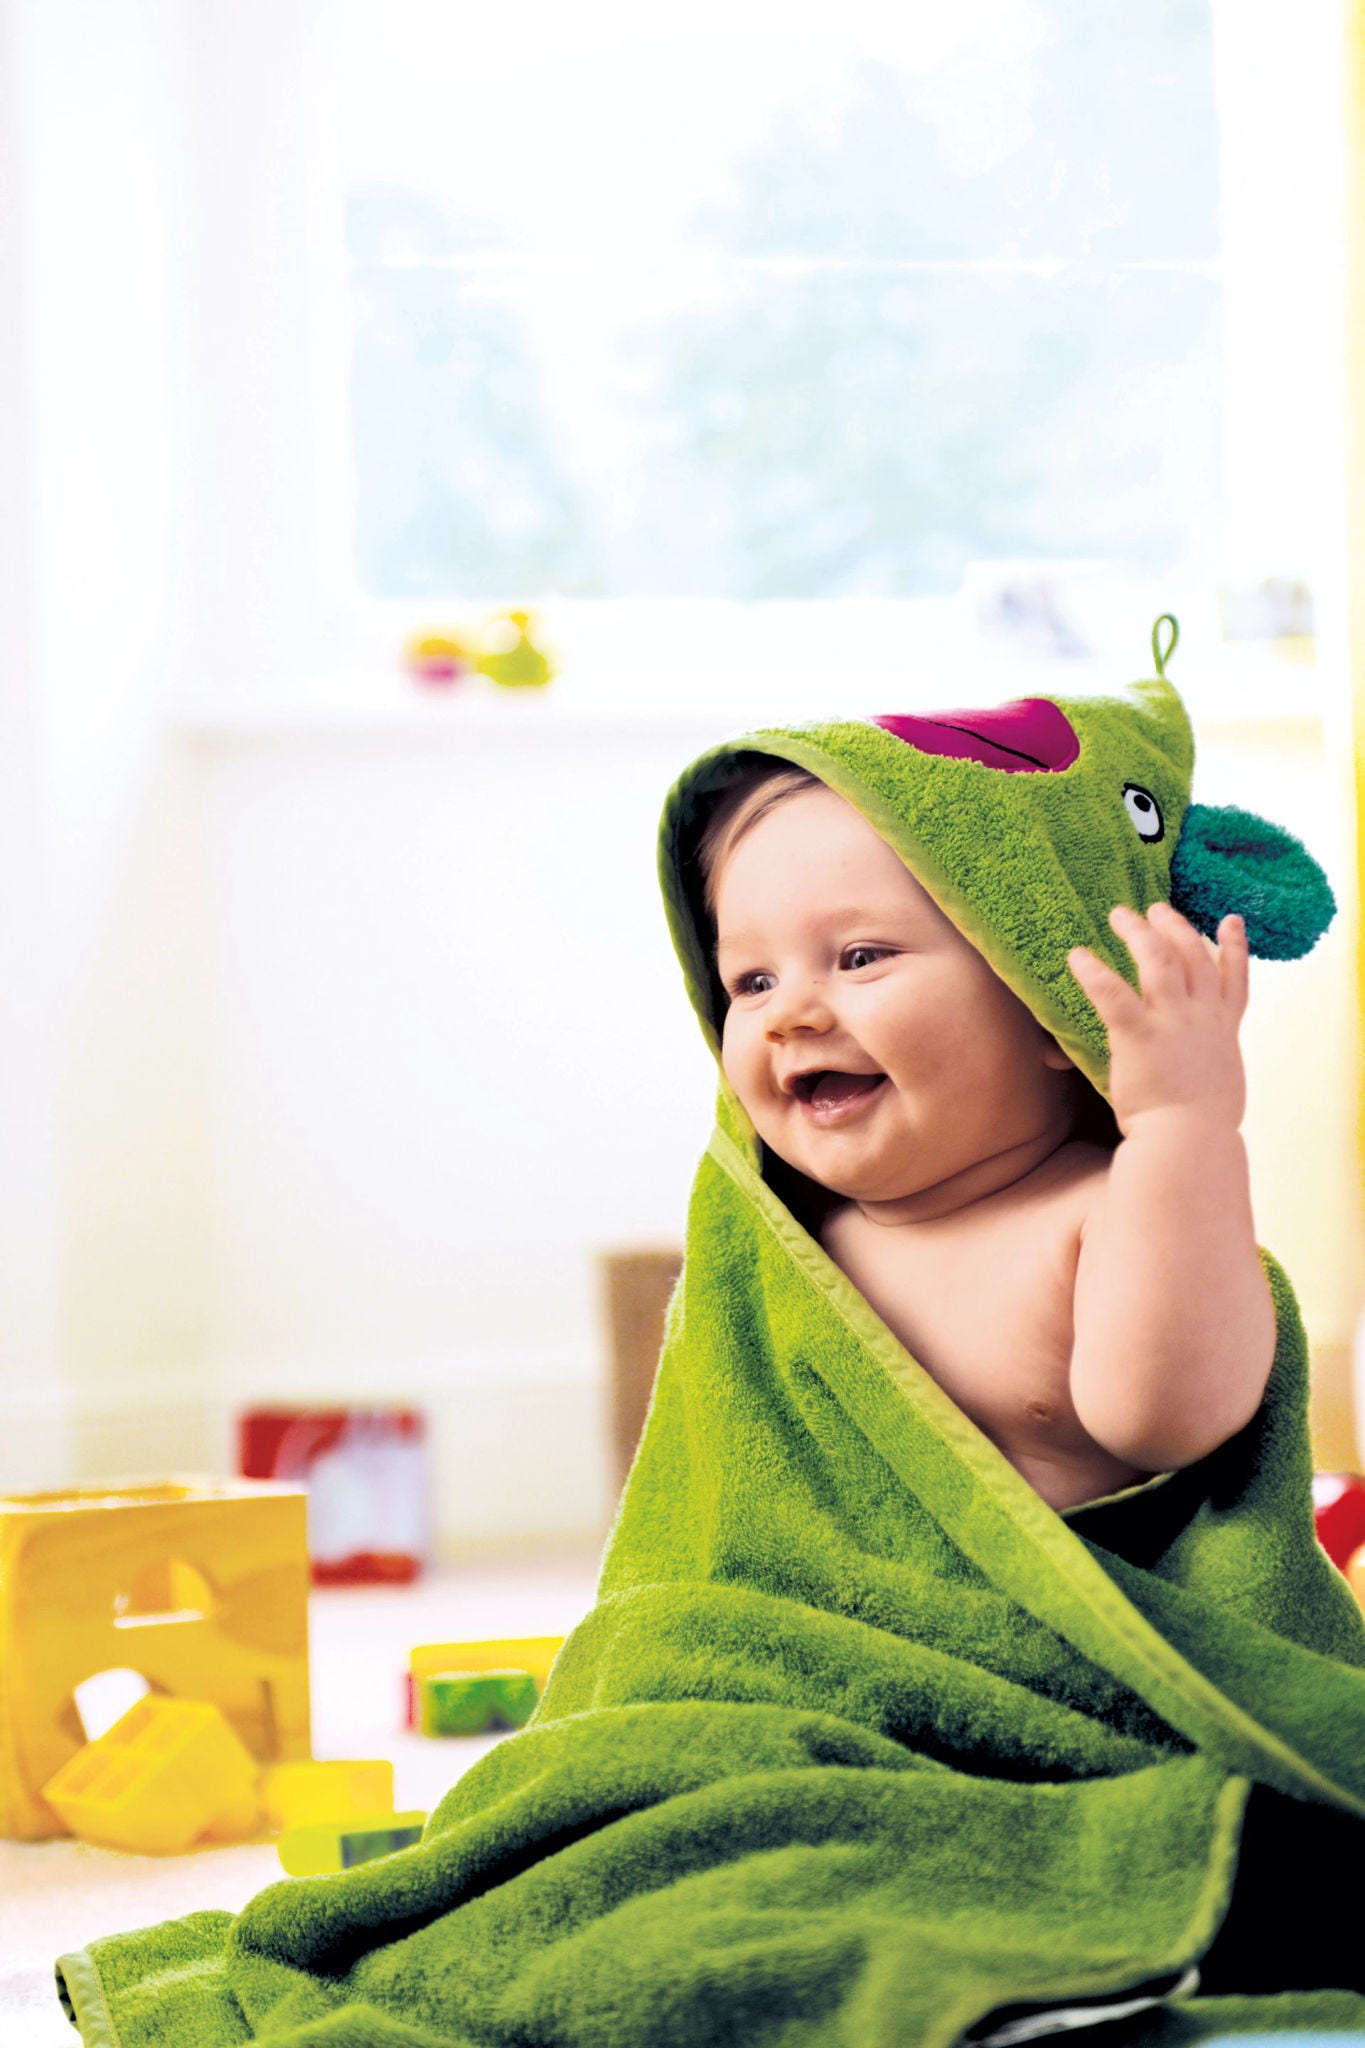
x=1026, y=735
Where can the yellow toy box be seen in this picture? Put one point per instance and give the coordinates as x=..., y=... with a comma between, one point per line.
x=201, y=1586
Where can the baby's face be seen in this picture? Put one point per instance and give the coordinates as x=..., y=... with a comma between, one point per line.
x=834, y=956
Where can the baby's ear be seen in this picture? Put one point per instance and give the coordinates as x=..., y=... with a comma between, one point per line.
x=1053, y=1056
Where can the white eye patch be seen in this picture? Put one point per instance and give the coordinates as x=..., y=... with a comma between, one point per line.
x=1144, y=810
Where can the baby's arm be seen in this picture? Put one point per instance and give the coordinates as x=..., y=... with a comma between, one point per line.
x=1174, y=1319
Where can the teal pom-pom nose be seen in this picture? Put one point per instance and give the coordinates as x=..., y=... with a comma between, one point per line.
x=1230, y=860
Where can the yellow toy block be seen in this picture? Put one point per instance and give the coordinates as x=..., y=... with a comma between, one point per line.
x=166, y=1775
x=201, y=1586
x=305, y=1794
x=535, y=1654
x=310, y=1852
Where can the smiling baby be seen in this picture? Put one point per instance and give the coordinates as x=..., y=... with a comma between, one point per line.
x=972, y=1185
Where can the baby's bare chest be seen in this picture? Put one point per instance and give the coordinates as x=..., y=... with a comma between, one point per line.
x=987, y=1308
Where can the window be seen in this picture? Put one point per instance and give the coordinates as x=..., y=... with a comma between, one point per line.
x=748, y=313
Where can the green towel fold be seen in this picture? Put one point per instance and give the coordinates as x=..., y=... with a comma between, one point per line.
x=863, y=1745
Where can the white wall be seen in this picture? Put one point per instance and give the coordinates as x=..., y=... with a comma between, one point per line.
x=453, y=1062
x=30, y=1370
x=285, y=1011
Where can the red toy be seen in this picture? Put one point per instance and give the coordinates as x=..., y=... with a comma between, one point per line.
x=1339, y=1513
x=365, y=1471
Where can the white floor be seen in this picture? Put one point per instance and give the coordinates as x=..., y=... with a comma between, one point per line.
x=56, y=1896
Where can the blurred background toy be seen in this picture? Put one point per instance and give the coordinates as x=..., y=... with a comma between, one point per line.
x=509, y=656
x=472, y=1702
x=437, y=658
x=197, y=1587
x=1339, y=1514
x=526, y=1656
x=168, y=1774
x=313, y=1792
x=310, y=1852
x=365, y=1474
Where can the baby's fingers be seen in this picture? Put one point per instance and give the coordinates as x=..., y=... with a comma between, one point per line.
x=1234, y=961
x=1112, y=996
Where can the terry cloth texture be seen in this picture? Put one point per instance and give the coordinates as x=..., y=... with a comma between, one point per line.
x=863, y=1745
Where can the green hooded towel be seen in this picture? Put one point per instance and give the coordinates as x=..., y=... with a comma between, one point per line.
x=863, y=1745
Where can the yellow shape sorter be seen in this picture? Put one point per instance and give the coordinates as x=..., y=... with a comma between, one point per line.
x=201, y=1586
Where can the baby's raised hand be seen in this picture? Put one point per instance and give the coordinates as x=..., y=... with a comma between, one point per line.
x=1174, y=1046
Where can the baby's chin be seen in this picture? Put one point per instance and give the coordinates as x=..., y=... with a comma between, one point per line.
x=781, y=1172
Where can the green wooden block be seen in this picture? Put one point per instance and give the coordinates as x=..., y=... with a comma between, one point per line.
x=470, y=1702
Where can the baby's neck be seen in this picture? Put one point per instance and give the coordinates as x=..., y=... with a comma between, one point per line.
x=975, y=1184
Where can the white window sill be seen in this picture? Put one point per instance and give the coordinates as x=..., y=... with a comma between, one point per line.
x=1246, y=692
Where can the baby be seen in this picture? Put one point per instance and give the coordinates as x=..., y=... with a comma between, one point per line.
x=968, y=1179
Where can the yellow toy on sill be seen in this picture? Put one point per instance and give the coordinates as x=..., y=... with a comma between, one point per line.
x=510, y=656
x=505, y=647
x=168, y=1774
x=201, y=1586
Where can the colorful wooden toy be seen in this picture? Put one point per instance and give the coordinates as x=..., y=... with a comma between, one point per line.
x=311, y=1852
x=520, y=664
x=439, y=658
x=469, y=1702
x=365, y=1471
x=301, y=1795
x=199, y=1586
x=1339, y=1514
x=168, y=1774
x=535, y=1654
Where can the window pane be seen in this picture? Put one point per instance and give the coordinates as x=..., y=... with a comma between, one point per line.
x=761, y=315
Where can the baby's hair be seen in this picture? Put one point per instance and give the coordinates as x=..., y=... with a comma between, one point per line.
x=760, y=785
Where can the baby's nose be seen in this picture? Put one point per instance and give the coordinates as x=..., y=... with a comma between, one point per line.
x=799, y=1002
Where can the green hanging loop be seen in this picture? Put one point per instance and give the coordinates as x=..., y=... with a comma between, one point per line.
x=1162, y=657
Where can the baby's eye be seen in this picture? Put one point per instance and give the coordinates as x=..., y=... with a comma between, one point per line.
x=873, y=952
x=743, y=984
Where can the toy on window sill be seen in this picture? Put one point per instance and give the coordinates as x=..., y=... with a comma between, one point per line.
x=510, y=656
x=438, y=658
x=505, y=648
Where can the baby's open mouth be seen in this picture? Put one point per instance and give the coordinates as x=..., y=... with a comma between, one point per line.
x=829, y=1086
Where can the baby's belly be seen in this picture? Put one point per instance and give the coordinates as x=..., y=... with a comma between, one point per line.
x=1072, y=1479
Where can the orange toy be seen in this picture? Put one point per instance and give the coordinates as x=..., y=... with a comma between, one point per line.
x=201, y=1586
